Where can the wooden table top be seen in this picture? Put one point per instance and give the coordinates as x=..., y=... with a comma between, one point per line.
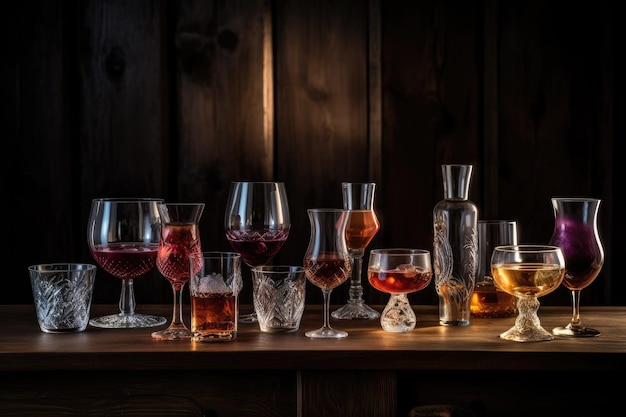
x=23, y=347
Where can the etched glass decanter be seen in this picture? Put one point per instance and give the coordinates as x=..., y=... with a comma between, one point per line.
x=455, y=246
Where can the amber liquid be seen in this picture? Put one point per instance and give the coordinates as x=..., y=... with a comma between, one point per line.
x=492, y=302
x=528, y=279
x=214, y=315
x=399, y=282
x=362, y=227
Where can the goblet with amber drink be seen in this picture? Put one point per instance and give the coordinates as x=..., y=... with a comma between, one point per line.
x=527, y=272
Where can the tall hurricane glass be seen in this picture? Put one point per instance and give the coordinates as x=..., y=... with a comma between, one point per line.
x=576, y=233
x=123, y=237
x=363, y=225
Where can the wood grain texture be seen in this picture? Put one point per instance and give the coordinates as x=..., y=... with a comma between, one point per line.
x=369, y=373
x=321, y=110
x=548, y=109
x=430, y=110
x=122, y=117
x=179, y=98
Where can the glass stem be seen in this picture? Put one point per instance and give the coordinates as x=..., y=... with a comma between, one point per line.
x=127, y=298
x=326, y=294
x=356, y=289
x=576, y=322
x=177, y=312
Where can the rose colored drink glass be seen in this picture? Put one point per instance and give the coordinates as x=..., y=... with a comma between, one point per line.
x=180, y=239
x=399, y=272
x=326, y=261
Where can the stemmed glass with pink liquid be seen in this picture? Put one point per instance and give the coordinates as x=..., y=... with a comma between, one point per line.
x=327, y=261
x=257, y=223
x=180, y=240
x=123, y=237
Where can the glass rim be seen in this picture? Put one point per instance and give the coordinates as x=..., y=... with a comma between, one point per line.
x=496, y=221
x=528, y=248
x=186, y=204
x=399, y=251
x=128, y=199
x=328, y=210
x=281, y=269
x=214, y=254
x=62, y=267
x=576, y=199
x=358, y=182
x=257, y=182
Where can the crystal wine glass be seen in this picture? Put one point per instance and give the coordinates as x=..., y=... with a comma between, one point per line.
x=180, y=239
x=576, y=233
x=527, y=272
x=257, y=223
x=399, y=272
x=123, y=237
x=326, y=260
x=362, y=227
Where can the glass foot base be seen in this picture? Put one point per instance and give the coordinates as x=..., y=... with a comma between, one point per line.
x=326, y=333
x=398, y=315
x=575, y=332
x=355, y=309
x=127, y=321
x=176, y=333
x=248, y=318
x=527, y=334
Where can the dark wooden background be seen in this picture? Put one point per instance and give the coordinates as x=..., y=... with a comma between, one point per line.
x=176, y=99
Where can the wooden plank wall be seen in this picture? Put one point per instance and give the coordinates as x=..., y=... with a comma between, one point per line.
x=178, y=98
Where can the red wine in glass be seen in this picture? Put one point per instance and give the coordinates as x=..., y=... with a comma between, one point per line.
x=257, y=248
x=123, y=236
x=126, y=260
x=256, y=222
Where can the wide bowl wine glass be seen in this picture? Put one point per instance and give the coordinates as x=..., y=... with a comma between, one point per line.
x=527, y=272
x=576, y=233
x=180, y=240
x=327, y=261
x=257, y=223
x=399, y=272
x=123, y=237
x=362, y=227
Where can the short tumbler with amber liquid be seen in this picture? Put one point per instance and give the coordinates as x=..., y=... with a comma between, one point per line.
x=488, y=300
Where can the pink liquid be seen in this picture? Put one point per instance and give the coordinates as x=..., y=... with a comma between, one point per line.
x=177, y=243
x=125, y=260
x=327, y=271
x=257, y=248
